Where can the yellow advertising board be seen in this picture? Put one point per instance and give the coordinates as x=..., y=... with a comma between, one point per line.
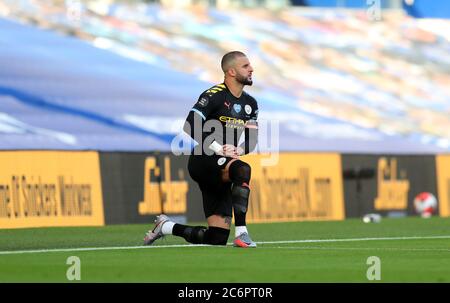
x=443, y=183
x=298, y=187
x=50, y=188
x=393, y=185
x=162, y=196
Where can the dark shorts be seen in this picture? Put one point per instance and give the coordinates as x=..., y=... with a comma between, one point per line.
x=207, y=172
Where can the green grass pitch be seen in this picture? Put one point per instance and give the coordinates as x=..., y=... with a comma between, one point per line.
x=410, y=250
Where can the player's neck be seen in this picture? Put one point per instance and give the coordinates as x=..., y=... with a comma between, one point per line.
x=234, y=87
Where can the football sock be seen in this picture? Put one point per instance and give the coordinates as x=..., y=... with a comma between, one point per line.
x=240, y=230
x=167, y=227
x=201, y=234
x=239, y=198
x=192, y=234
x=240, y=174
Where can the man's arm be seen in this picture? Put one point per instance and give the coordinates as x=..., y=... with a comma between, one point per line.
x=193, y=126
x=251, y=134
x=251, y=138
x=195, y=122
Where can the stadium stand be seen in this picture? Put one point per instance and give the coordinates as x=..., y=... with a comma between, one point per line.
x=125, y=80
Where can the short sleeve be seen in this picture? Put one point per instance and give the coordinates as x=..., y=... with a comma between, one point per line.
x=204, y=106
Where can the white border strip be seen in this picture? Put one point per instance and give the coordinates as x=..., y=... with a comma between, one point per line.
x=16, y=252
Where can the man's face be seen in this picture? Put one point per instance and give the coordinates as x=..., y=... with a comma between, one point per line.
x=243, y=70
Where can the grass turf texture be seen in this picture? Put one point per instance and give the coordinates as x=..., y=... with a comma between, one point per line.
x=402, y=260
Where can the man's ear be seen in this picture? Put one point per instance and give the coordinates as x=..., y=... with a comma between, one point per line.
x=232, y=72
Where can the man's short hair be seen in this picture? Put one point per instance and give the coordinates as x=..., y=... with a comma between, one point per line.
x=228, y=59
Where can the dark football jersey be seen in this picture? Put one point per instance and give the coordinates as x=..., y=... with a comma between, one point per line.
x=223, y=117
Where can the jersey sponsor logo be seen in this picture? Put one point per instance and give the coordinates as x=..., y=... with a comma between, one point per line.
x=248, y=109
x=227, y=104
x=203, y=102
x=221, y=161
x=237, y=108
x=232, y=122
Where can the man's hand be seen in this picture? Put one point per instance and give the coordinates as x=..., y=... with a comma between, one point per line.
x=240, y=151
x=229, y=150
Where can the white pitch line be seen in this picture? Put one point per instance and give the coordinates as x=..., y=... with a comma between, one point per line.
x=356, y=248
x=355, y=239
x=14, y=252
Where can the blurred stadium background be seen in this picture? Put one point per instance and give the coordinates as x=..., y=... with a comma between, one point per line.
x=92, y=94
x=126, y=72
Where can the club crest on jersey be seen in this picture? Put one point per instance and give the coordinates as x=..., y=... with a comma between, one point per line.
x=237, y=108
x=221, y=161
x=248, y=109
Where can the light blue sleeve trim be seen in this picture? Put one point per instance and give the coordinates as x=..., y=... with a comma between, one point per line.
x=199, y=112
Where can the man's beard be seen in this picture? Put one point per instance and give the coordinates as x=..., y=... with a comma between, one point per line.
x=244, y=81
